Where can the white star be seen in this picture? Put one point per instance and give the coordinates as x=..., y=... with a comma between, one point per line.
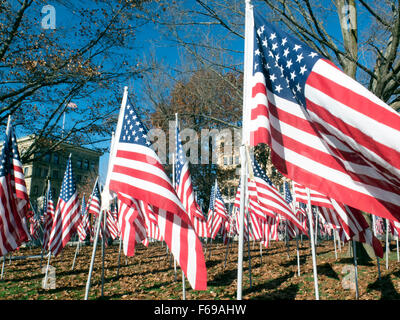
x=292, y=75
x=286, y=52
x=278, y=88
x=289, y=64
x=284, y=40
x=260, y=30
x=312, y=54
x=273, y=36
x=303, y=69
x=274, y=46
x=265, y=43
x=296, y=47
x=299, y=58
x=257, y=52
x=272, y=77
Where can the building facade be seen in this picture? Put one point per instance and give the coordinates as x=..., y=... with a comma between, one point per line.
x=38, y=169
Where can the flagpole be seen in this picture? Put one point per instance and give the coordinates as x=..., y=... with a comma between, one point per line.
x=243, y=181
x=119, y=255
x=212, y=217
x=173, y=183
x=355, y=267
x=334, y=242
x=387, y=244
x=312, y=245
x=93, y=255
x=377, y=258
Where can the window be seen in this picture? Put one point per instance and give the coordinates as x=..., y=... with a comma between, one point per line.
x=225, y=161
x=47, y=157
x=26, y=171
x=78, y=178
x=38, y=172
x=55, y=174
x=86, y=164
x=44, y=172
x=79, y=163
x=236, y=159
x=56, y=158
x=92, y=165
x=35, y=190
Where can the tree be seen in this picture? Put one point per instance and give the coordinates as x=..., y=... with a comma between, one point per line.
x=82, y=60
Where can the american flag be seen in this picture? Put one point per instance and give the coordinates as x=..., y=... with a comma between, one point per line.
x=94, y=200
x=14, y=201
x=48, y=214
x=137, y=173
x=325, y=130
x=67, y=214
x=84, y=225
x=112, y=225
x=269, y=198
x=217, y=213
x=184, y=189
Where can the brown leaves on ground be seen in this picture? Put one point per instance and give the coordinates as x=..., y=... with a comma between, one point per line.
x=150, y=275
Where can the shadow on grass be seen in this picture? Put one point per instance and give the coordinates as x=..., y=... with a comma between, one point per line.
x=269, y=284
x=385, y=286
x=223, y=279
x=326, y=269
x=288, y=293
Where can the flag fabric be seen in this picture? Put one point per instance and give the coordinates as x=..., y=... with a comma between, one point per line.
x=14, y=201
x=94, y=200
x=184, y=189
x=217, y=213
x=34, y=226
x=316, y=198
x=325, y=130
x=48, y=214
x=137, y=173
x=84, y=225
x=67, y=214
x=111, y=225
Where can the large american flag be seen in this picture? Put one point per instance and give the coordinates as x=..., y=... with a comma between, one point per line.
x=67, y=214
x=48, y=214
x=316, y=198
x=14, y=201
x=184, y=189
x=326, y=131
x=137, y=172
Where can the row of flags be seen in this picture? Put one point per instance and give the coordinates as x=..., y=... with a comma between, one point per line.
x=326, y=132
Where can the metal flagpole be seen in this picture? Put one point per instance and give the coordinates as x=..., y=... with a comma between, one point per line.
x=298, y=255
x=212, y=217
x=248, y=71
x=47, y=270
x=243, y=181
x=387, y=244
x=312, y=246
x=334, y=242
x=2, y=267
x=377, y=258
x=173, y=183
x=93, y=254
x=355, y=267
x=248, y=242
x=76, y=252
x=103, y=250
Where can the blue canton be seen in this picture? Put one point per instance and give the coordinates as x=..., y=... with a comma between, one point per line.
x=180, y=156
x=68, y=187
x=288, y=195
x=259, y=173
x=133, y=131
x=285, y=62
x=8, y=152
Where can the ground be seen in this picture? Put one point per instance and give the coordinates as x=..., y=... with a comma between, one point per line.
x=150, y=275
